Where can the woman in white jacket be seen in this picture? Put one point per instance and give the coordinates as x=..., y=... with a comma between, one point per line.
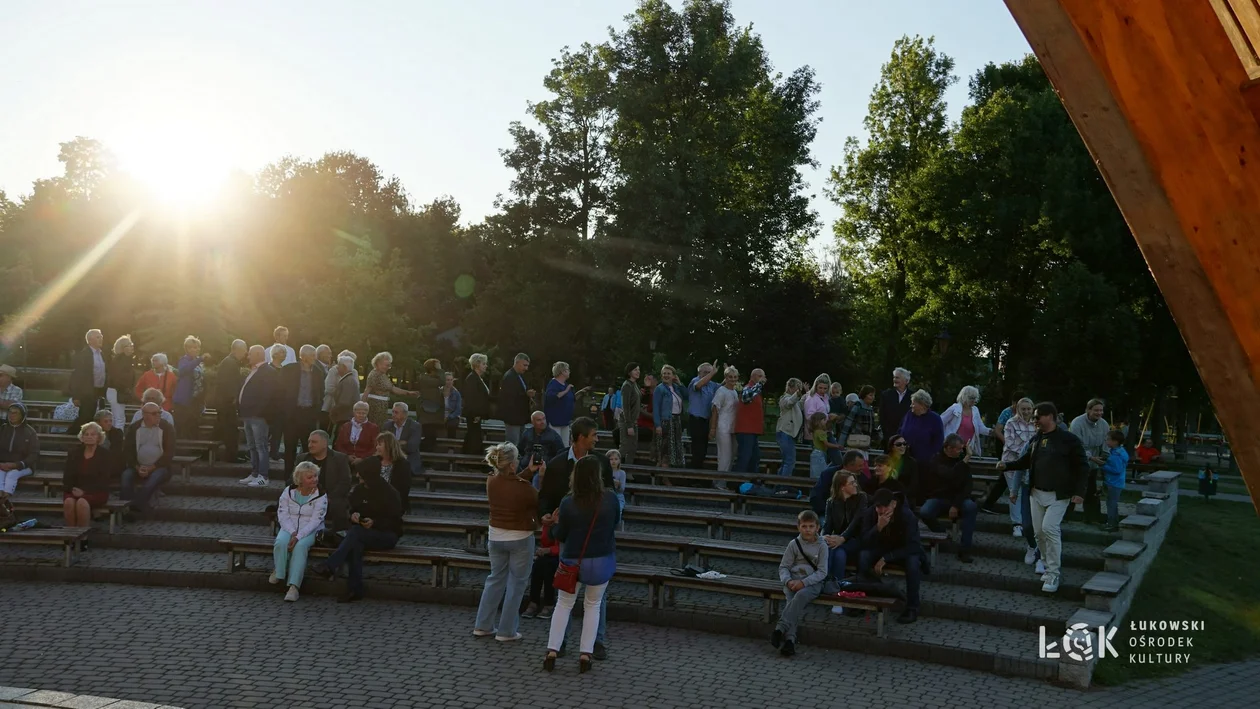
x=301, y=514
x=964, y=419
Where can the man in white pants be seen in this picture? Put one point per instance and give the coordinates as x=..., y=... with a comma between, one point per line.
x=722, y=418
x=1055, y=460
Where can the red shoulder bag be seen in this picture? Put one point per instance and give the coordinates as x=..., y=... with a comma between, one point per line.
x=566, y=578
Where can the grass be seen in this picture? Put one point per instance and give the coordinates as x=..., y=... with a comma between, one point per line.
x=1204, y=572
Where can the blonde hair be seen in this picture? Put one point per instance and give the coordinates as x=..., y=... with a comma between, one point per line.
x=382, y=356
x=502, y=457
x=190, y=341
x=611, y=453
x=558, y=368
x=303, y=467
x=92, y=426
x=121, y=343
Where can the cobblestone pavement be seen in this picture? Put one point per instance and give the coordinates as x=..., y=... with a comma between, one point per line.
x=204, y=648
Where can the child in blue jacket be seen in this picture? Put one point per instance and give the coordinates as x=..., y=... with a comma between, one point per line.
x=1113, y=478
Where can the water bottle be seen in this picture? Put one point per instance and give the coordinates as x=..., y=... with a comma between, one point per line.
x=24, y=525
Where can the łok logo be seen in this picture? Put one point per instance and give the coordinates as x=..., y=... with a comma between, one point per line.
x=1078, y=643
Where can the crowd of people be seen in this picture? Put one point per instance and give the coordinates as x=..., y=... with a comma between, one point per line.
x=883, y=463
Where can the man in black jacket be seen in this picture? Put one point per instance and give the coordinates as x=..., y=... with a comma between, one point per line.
x=375, y=525
x=476, y=403
x=946, y=485
x=890, y=535
x=894, y=403
x=1056, y=461
x=514, y=398
x=303, y=392
x=87, y=379
x=227, y=386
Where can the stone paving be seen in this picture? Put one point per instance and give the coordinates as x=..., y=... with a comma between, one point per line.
x=204, y=648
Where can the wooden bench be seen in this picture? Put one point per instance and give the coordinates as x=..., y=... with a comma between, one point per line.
x=240, y=547
x=113, y=510
x=69, y=537
x=768, y=553
x=182, y=463
x=47, y=480
x=726, y=522
x=668, y=515
x=208, y=448
x=656, y=474
x=726, y=497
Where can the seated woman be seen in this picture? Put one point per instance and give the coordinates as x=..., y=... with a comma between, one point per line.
x=840, y=526
x=375, y=524
x=357, y=437
x=301, y=515
x=90, y=468
x=395, y=469
x=585, y=524
x=112, y=436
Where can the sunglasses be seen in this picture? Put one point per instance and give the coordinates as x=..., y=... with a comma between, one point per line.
x=899, y=444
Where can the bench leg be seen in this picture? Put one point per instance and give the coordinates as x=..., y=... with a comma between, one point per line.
x=231, y=561
x=67, y=559
x=879, y=622
x=113, y=522
x=767, y=610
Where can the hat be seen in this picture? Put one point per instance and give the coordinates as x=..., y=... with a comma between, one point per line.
x=9, y=370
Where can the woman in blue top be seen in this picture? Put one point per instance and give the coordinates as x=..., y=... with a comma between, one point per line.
x=669, y=401
x=586, y=519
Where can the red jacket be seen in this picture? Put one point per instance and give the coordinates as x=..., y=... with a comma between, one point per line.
x=367, y=440
x=149, y=380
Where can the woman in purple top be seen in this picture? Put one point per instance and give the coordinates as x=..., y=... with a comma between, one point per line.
x=922, y=427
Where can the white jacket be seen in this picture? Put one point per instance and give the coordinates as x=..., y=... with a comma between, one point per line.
x=952, y=419
x=301, y=521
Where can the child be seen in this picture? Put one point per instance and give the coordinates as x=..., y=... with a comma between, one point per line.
x=818, y=433
x=542, y=595
x=619, y=476
x=1113, y=478
x=803, y=572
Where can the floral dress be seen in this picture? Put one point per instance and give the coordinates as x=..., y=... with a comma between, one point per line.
x=378, y=388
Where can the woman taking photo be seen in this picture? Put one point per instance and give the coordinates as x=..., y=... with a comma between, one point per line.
x=301, y=514
x=513, y=519
x=668, y=403
x=584, y=525
x=89, y=472
x=791, y=418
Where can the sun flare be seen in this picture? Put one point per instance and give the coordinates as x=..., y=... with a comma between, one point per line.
x=179, y=164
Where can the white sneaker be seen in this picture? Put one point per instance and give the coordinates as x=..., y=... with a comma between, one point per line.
x=482, y=633
x=1018, y=532
x=292, y=595
x=273, y=579
x=508, y=638
x=1050, y=583
x=1041, y=567
x=247, y=479
x=838, y=610
x=1030, y=556
x=258, y=481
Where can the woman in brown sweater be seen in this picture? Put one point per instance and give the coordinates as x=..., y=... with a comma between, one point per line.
x=513, y=519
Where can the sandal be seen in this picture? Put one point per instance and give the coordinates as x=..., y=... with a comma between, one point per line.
x=584, y=664
x=549, y=662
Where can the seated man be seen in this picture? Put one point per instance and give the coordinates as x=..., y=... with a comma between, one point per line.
x=947, y=486
x=375, y=524
x=1147, y=453
x=890, y=535
x=148, y=447
x=335, y=479
x=19, y=449
x=853, y=463
x=539, y=442
x=803, y=572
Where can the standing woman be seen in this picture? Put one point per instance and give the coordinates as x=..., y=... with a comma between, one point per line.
x=668, y=403
x=476, y=402
x=377, y=388
x=513, y=519
x=89, y=472
x=858, y=429
x=1020, y=430
x=160, y=377
x=722, y=419
x=120, y=377
x=963, y=418
x=432, y=408
x=585, y=524
x=628, y=414
x=922, y=428
x=818, y=401
x=395, y=469
x=791, y=417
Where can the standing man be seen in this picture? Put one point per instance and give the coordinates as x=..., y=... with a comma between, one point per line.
x=894, y=403
x=514, y=398
x=227, y=385
x=87, y=380
x=252, y=405
x=302, y=385
x=281, y=334
x=1056, y=461
x=1092, y=429
x=476, y=403
x=698, y=404
x=559, y=400
x=750, y=423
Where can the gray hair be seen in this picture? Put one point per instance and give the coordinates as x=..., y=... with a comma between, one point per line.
x=921, y=397
x=322, y=434
x=347, y=353
x=968, y=392
x=303, y=467
x=160, y=357
x=152, y=395
x=191, y=340
x=122, y=343
x=400, y=405
x=102, y=414
x=558, y=368
x=308, y=349
x=258, y=348
x=851, y=399
x=360, y=405
x=323, y=348
x=902, y=372
x=382, y=356
x=92, y=426
x=277, y=351
x=476, y=359
x=704, y=368
x=346, y=361
x=731, y=371
x=239, y=345
x=87, y=337
x=520, y=357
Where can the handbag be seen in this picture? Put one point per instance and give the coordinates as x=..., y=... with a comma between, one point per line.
x=858, y=440
x=566, y=578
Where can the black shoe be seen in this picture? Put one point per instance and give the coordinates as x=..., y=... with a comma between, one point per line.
x=584, y=664
x=601, y=652
x=321, y=570
x=350, y=598
x=549, y=662
x=908, y=616
x=965, y=556
x=776, y=638
x=788, y=649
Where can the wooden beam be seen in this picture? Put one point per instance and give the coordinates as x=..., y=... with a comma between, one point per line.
x=1153, y=86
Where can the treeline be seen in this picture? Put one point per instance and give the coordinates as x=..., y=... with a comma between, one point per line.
x=657, y=213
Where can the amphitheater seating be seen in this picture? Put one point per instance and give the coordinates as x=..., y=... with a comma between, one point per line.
x=113, y=510
x=71, y=538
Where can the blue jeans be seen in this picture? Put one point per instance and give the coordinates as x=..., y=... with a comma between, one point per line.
x=510, y=564
x=747, y=453
x=1113, y=505
x=787, y=447
x=866, y=562
x=291, y=566
x=359, y=540
x=838, y=558
x=935, y=507
x=257, y=443
x=817, y=463
x=140, y=499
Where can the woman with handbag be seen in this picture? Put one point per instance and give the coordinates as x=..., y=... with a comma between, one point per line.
x=859, y=424
x=585, y=524
x=513, y=519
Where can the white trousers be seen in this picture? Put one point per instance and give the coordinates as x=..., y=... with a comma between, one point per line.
x=725, y=451
x=116, y=408
x=8, y=479
x=1047, y=517
x=590, y=621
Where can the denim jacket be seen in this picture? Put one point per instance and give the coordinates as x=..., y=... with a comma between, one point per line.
x=662, y=402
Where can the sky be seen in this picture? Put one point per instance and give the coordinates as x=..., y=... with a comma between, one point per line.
x=423, y=88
